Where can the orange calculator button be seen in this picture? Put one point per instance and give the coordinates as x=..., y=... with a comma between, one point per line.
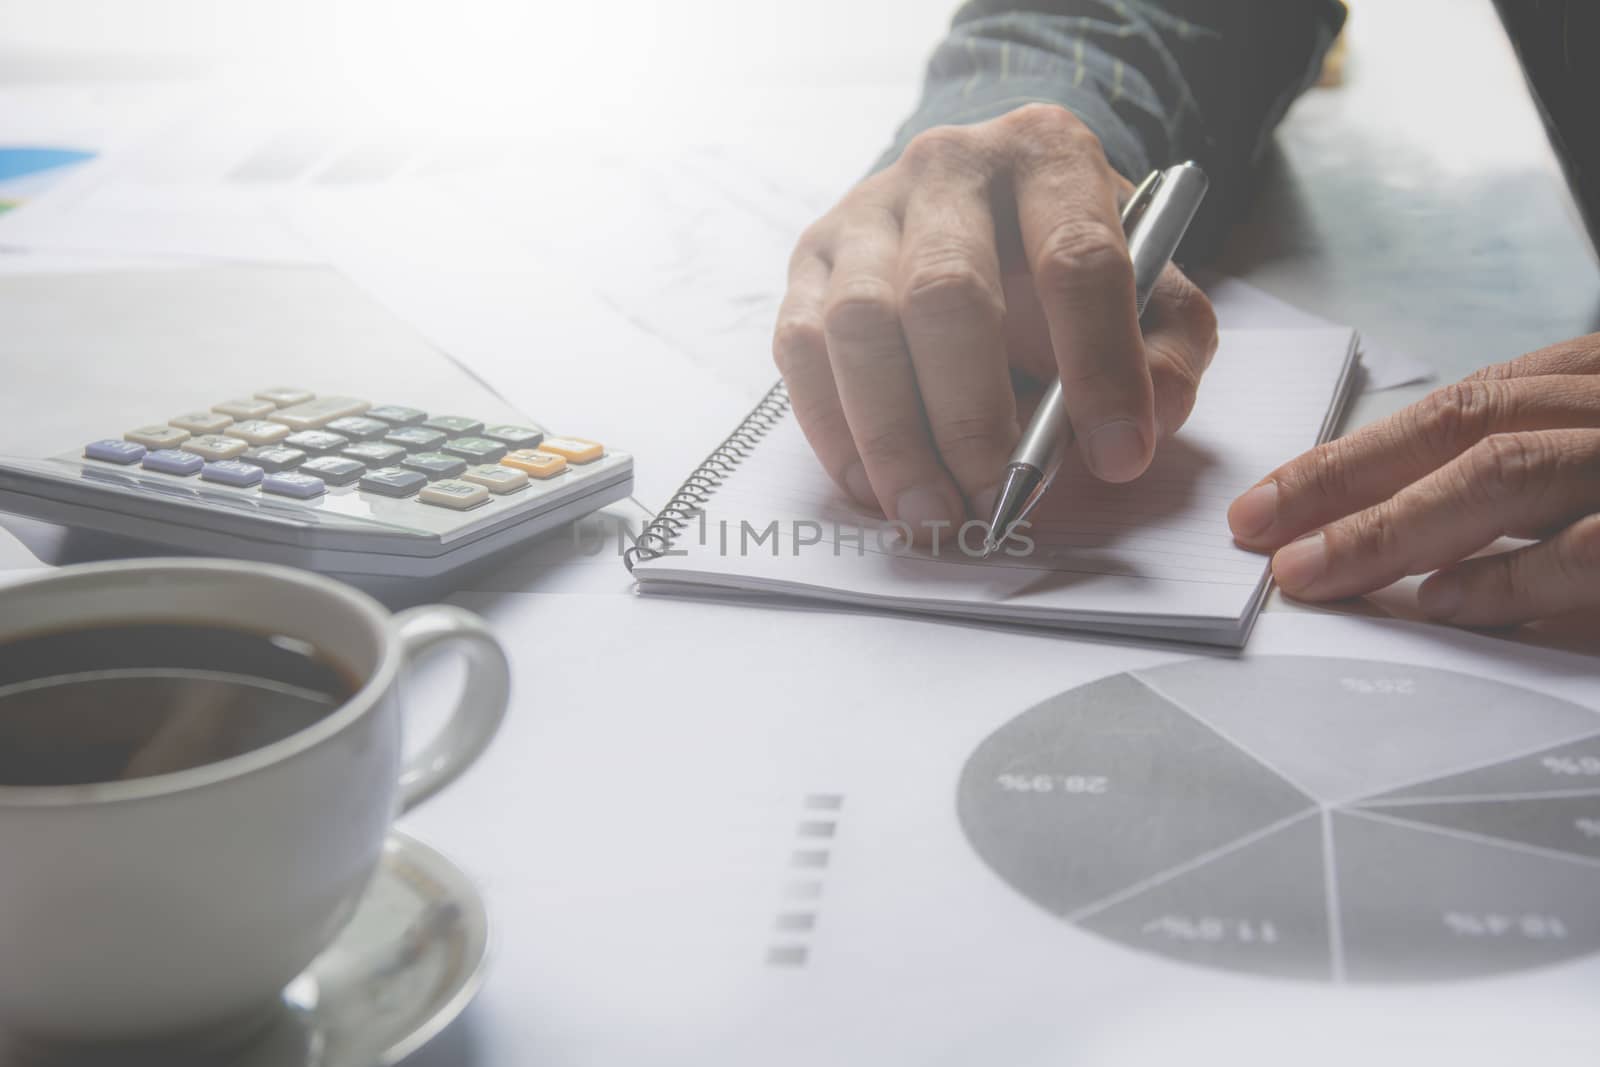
x=575, y=449
x=535, y=462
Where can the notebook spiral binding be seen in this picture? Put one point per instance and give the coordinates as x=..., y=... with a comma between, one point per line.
x=658, y=535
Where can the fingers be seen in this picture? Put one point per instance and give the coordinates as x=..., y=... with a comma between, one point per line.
x=1580, y=355
x=800, y=349
x=1507, y=484
x=1066, y=197
x=1555, y=576
x=952, y=311
x=876, y=382
x=1375, y=462
x=1180, y=337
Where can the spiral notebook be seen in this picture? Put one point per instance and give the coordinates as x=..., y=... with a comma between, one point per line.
x=1151, y=558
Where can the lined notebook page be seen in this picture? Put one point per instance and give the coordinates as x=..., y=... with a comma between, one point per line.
x=1157, y=550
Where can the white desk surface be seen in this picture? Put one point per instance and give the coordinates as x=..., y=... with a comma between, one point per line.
x=1429, y=211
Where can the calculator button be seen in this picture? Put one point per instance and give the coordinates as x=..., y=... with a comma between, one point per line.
x=392, y=481
x=214, y=446
x=415, y=438
x=475, y=449
x=455, y=425
x=245, y=407
x=434, y=465
x=113, y=451
x=536, y=463
x=316, y=442
x=231, y=472
x=514, y=436
x=496, y=478
x=574, y=449
x=284, y=396
x=172, y=461
x=293, y=483
x=395, y=415
x=335, y=470
x=202, y=422
x=375, y=453
x=358, y=427
x=453, y=494
x=257, y=432
x=274, y=458
x=157, y=436
x=315, y=414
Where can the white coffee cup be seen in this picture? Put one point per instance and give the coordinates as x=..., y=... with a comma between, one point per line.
x=183, y=903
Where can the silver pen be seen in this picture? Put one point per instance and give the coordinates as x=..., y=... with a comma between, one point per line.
x=1155, y=220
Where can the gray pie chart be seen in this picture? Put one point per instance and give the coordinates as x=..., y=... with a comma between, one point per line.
x=1302, y=817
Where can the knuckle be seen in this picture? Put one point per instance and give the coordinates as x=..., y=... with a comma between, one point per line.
x=1045, y=126
x=940, y=147
x=796, y=342
x=861, y=308
x=1451, y=419
x=1327, y=470
x=949, y=284
x=1582, y=543
x=1507, y=464
x=1376, y=532
x=889, y=446
x=980, y=435
x=1079, y=250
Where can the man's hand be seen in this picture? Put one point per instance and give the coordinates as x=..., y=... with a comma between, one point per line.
x=1513, y=450
x=984, y=250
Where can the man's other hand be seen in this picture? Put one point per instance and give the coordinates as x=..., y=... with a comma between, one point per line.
x=1513, y=450
x=923, y=306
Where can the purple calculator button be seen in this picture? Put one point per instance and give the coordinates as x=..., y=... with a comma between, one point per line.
x=172, y=461
x=231, y=472
x=113, y=451
x=300, y=486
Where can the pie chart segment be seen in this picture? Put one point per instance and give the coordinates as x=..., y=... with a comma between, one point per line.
x=1562, y=824
x=1571, y=767
x=1105, y=786
x=1344, y=729
x=1259, y=908
x=1418, y=904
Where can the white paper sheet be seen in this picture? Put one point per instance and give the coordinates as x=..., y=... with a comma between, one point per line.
x=646, y=845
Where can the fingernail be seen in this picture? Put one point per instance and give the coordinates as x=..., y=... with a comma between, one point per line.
x=1300, y=563
x=855, y=480
x=1255, y=511
x=1117, y=450
x=920, y=507
x=983, y=503
x=1440, y=596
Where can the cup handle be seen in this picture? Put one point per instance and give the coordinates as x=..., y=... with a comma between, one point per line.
x=478, y=712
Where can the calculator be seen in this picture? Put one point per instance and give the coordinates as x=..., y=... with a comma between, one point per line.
x=335, y=484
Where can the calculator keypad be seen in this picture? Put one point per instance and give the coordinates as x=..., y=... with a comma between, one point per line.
x=316, y=442
x=454, y=494
x=245, y=407
x=258, y=431
x=434, y=465
x=157, y=436
x=202, y=422
x=289, y=443
x=294, y=484
x=172, y=461
x=274, y=458
x=392, y=481
x=335, y=470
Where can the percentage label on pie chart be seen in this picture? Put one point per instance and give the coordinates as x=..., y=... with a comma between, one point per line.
x=1302, y=816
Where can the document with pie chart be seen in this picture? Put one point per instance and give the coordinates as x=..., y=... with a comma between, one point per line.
x=1303, y=817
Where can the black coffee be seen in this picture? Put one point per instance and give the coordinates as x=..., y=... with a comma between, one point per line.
x=106, y=703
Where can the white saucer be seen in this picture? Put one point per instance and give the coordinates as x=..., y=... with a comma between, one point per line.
x=407, y=964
